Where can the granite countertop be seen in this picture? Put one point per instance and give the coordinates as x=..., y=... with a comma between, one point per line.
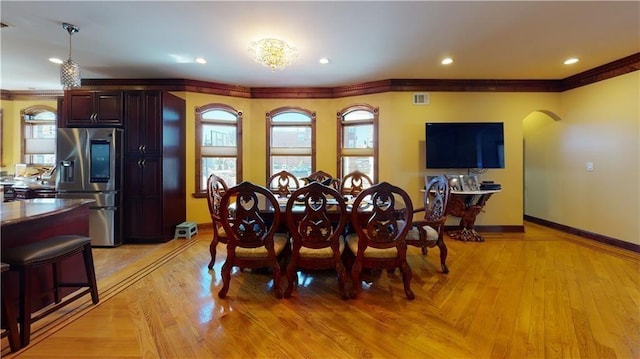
x=20, y=211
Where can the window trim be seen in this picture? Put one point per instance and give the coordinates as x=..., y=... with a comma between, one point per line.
x=342, y=152
x=202, y=193
x=270, y=124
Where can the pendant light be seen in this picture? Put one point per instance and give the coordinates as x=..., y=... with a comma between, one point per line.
x=69, y=70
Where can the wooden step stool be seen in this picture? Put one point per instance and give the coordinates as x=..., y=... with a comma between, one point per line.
x=186, y=230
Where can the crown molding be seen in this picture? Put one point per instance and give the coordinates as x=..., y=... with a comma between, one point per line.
x=30, y=95
x=615, y=68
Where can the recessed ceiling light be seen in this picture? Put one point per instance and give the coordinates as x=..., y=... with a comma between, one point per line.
x=200, y=60
x=324, y=61
x=570, y=61
x=446, y=61
x=55, y=60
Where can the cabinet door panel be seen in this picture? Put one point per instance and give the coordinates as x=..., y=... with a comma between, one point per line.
x=108, y=108
x=134, y=118
x=152, y=177
x=93, y=108
x=153, y=122
x=80, y=108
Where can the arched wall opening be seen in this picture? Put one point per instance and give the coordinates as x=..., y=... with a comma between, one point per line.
x=538, y=148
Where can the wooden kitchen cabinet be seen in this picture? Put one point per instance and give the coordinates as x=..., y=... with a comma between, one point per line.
x=89, y=108
x=154, y=174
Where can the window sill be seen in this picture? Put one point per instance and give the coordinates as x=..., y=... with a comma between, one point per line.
x=199, y=195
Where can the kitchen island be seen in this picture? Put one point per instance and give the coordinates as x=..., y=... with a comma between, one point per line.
x=35, y=220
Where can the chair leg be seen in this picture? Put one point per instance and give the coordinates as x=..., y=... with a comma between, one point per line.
x=25, y=305
x=56, y=281
x=91, y=273
x=212, y=250
x=443, y=255
x=355, y=278
x=406, y=279
x=11, y=322
x=342, y=279
x=292, y=278
x=275, y=268
x=226, y=278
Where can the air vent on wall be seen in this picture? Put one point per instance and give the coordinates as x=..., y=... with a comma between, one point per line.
x=420, y=98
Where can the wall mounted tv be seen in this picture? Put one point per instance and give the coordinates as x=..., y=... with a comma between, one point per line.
x=464, y=144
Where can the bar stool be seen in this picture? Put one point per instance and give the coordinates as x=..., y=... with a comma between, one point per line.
x=51, y=252
x=9, y=318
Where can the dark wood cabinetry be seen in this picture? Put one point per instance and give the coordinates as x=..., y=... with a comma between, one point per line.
x=154, y=163
x=85, y=108
x=154, y=186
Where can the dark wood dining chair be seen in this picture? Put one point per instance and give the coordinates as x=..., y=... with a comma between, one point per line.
x=429, y=231
x=216, y=187
x=322, y=177
x=252, y=241
x=381, y=216
x=283, y=183
x=316, y=232
x=354, y=182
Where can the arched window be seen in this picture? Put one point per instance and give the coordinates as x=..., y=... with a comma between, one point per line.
x=358, y=140
x=218, y=144
x=39, y=135
x=291, y=141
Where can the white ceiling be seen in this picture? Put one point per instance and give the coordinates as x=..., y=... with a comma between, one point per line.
x=365, y=40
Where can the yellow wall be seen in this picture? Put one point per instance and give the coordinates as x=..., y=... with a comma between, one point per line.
x=11, y=135
x=598, y=123
x=401, y=139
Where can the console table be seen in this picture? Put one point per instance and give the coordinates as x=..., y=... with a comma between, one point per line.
x=467, y=205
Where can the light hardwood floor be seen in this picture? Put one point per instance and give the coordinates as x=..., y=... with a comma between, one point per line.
x=538, y=294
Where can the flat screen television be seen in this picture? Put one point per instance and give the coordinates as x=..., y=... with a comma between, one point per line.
x=464, y=145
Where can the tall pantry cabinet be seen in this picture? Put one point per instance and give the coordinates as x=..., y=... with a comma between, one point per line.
x=154, y=165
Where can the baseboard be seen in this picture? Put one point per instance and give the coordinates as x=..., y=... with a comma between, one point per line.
x=207, y=225
x=490, y=229
x=586, y=234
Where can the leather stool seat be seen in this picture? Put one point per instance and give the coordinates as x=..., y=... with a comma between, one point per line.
x=50, y=251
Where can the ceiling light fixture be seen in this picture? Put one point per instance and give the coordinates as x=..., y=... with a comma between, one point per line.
x=273, y=53
x=69, y=70
x=324, y=61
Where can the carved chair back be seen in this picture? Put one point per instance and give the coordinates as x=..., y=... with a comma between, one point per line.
x=354, y=182
x=251, y=223
x=316, y=232
x=283, y=183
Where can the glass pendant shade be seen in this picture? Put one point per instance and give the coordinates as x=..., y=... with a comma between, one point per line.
x=70, y=74
x=69, y=70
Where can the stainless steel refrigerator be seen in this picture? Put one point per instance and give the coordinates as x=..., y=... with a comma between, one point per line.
x=89, y=162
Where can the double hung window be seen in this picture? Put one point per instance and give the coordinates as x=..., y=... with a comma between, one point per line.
x=291, y=141
x=358, y=140
x=218, y=144
x=39, y=135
